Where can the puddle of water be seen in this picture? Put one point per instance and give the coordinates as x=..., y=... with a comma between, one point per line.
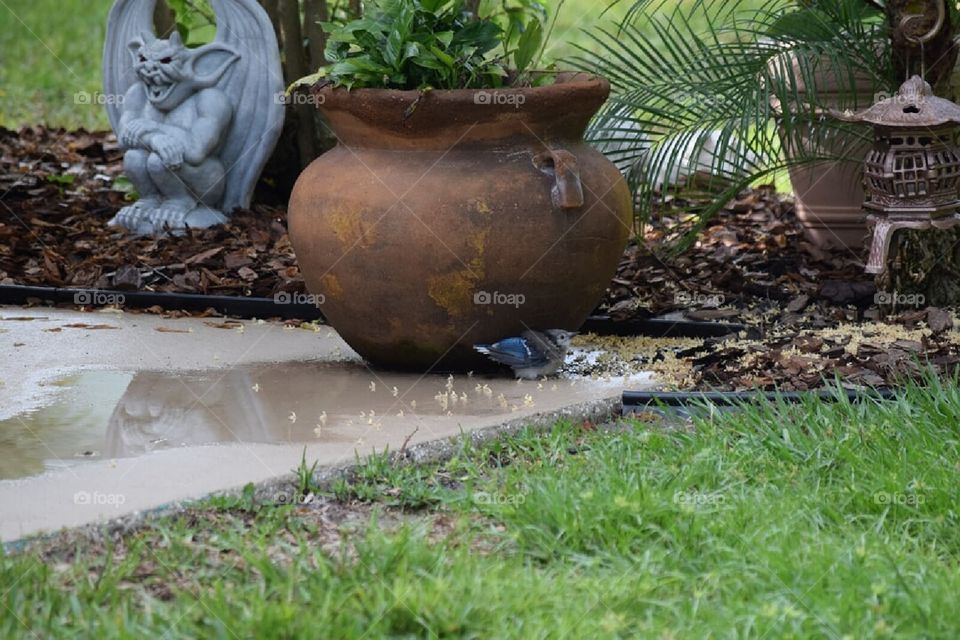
x=115, y=414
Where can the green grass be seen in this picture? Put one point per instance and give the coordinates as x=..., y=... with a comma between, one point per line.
x=49, y=53
x=819, y=520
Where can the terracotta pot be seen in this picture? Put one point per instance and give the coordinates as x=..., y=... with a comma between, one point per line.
x=829, y=198
x=458, y=217
x=830, y=195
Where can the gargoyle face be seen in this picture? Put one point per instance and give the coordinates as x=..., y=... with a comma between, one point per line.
x=171, y=72
x=163, y=68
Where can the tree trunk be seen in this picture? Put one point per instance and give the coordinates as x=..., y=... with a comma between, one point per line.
x=163, y=19
x=314, y=13
x=923, y=270
x=273, y=12
x=297, y=66
x=304, y=137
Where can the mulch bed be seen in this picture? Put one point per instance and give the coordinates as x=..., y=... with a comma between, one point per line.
x=812, y=312
x=59, y=189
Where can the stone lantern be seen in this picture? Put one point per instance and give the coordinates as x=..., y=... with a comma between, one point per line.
x=912, y=173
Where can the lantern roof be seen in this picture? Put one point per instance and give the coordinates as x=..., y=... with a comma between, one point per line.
x=914, y=105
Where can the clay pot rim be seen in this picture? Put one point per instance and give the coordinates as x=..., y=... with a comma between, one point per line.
x=569, y=85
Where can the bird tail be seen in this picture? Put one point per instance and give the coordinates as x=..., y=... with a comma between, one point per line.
x=482, y=348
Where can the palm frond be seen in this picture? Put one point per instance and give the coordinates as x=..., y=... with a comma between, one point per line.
x=720, y=88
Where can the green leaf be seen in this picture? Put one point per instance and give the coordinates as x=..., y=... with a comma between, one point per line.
x=433, y=5
x=443, y=57
x=528, y=46
x=429, y=61
x=410, y=44
x=309, y=81
x=394, y=48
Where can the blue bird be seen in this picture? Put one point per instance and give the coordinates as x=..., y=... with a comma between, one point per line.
x=533, y=355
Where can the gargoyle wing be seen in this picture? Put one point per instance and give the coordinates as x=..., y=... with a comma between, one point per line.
x=255, y=85
x=128, y=20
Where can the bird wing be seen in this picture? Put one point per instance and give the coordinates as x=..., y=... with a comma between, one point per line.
x=515, y=352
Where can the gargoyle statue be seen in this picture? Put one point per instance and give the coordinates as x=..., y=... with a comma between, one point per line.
x=197, y=125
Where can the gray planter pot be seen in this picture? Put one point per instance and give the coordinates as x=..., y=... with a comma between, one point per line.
x=829, y=195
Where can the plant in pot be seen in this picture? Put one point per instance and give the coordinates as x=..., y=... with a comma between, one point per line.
x=461, y=204
x=745, y=86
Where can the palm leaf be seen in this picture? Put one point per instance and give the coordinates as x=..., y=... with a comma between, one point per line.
x=719, y=87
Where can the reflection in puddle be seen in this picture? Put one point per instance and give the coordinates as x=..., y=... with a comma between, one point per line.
x=117, y=414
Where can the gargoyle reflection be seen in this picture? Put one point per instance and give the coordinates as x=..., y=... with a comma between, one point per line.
x=162, y=410
x=114, y=414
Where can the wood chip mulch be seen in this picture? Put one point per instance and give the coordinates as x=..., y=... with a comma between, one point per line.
x=58, y=189
x=812, y=314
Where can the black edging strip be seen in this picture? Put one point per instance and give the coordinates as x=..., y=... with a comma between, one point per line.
x=240, y=307
x=228, y=305
x=655, y=328
x=634, y=401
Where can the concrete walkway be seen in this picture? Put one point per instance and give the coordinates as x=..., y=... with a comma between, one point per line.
x=107, y=414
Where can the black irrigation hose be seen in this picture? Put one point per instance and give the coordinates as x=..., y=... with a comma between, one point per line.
x=634, y=401
x=240, y=307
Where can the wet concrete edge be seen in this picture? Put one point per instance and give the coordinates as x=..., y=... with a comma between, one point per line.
x=285, y=486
